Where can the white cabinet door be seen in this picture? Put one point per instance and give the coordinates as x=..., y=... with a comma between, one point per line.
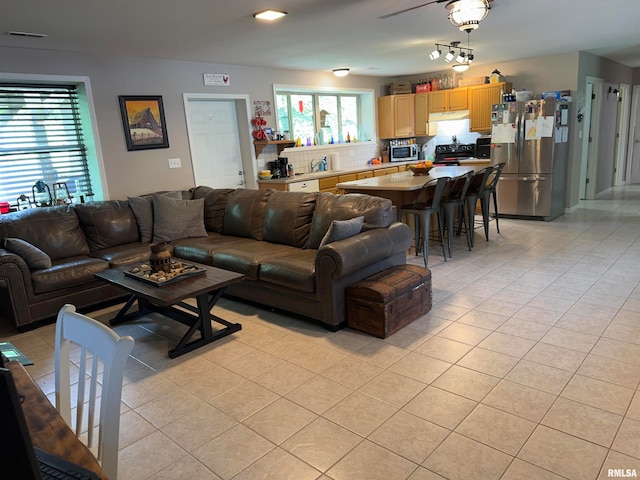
x=308, y=186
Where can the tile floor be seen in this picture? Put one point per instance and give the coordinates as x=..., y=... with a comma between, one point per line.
x=527, y=367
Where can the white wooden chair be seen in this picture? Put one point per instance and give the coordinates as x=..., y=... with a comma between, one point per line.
x=96, y=342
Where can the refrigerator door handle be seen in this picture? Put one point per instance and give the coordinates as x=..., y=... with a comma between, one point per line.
x=518, y=136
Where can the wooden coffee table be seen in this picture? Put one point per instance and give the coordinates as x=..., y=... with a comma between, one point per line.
x=206, y=288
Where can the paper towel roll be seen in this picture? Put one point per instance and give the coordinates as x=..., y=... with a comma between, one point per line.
x=334, y=161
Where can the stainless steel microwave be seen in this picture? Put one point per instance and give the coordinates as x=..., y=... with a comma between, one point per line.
x=403, y=153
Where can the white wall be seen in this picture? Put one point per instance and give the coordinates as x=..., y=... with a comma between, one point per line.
x=138, y=172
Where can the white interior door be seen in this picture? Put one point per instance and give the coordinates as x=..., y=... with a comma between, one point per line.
x=634, y=144
x=215, y=142
x=622, y=135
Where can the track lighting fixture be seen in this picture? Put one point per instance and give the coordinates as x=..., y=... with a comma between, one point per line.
x=463, y=56
x=435, y=54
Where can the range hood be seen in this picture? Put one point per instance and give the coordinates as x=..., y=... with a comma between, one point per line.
x=447, y=116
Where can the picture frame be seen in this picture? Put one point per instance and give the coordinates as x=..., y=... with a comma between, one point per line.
x=143, y=122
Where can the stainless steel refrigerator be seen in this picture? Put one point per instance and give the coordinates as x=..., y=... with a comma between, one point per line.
x=531, y=138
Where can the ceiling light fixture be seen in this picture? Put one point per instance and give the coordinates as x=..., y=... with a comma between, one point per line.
x=463, y=55
x=467, y=14
x=435, y=54
x=269, y=15
x=341, y=72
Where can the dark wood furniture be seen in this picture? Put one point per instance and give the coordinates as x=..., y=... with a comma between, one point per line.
x=206, y=289
x=48, y=430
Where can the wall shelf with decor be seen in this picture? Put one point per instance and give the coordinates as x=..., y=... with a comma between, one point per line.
x=280, y=145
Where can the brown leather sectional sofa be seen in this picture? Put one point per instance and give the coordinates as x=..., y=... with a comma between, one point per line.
x=274, y=238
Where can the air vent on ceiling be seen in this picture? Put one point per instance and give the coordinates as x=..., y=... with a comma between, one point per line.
x=26, y=34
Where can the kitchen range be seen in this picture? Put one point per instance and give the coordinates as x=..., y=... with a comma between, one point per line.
x=452, y=154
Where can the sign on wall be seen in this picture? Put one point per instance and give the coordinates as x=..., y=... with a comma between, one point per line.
x=217, y=79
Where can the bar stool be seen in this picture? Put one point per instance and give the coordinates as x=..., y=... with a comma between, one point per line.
x=490, y=190
x=422, y=208
x=474, y=193
x=453, y=203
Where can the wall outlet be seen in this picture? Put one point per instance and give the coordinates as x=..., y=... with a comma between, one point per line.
x=175, y=163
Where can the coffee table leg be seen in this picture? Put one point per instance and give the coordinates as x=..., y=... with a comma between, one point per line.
x=123, y=316
x=202, y=322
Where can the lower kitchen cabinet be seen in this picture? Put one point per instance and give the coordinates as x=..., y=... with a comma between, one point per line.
x=385, y=171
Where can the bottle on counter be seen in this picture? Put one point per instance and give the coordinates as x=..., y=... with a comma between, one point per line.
x=348, y=137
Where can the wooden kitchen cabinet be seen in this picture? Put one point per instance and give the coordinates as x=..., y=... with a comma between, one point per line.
x=385, y=171
x=481, y=98
x=396, y=116
x=328, y=184
x=422, y=114
x=448, y=100
x=362, y=175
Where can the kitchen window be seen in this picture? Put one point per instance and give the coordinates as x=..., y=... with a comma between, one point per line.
x=42, y=140
x=323, y=116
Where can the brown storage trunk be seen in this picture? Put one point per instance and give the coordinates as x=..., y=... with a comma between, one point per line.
x=387, y=301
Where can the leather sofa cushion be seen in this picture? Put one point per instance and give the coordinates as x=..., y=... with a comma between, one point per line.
x=295, y=271
x=127, y=254
x=70, y=272
x=54, y=230
x=32, y=255
x=246, y=257
x=288, y=218
x=107, y=224
x=244, y=213
x=215, y=201
x=377, y=212
x=201, y=249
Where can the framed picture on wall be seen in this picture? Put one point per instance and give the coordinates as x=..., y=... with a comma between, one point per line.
x=143, y=122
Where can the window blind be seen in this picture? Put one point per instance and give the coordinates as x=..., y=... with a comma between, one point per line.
x=41, y=141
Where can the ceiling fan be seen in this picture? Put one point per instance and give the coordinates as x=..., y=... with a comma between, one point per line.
x=393, y=14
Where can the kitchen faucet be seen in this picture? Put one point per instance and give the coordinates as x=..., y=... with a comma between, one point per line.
x=314, y=164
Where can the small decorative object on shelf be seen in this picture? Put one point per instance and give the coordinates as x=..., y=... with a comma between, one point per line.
x=160, y=259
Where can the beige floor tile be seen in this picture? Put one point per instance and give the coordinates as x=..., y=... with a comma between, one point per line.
x=244, y=400
x=319, y=394
x=380, y=353
x=284, y=378
x=379, y=463
x=346, y=340
x=465, y=333
x=466, y=382
x=227, y=350
x=446, y=311
x=634, y=409
x=317, y=358
x=488, y=321
x=279, y=420
x=617, y=350
x=408, y=338
x=488, y=361
x=393, y=388
x=232, y=451
x=169, y=407
x=547, y=302
x=561, y=337
x=371, y=413
x=257, y=335
x=138, y=393
x=351, y=372
x=464, y=299
x=460, y=458
x=554, y=356
x=443, y=349
x=520, y=400
x=583, y=421
x=214, y=383
x=582, y=323
x=420, y=367
x=628, y=438
x=519, y=470
x=623, y=332
x=599, y=394
x=409, y=436
x=198, y=427
x=186, y=468
x=617, y=465
x=563, y=454
x=608, y=370
x=440, y=407
x=278, y=465
x=498, y=307
x=254, y=363
x=424, y=474
x=432, y=324
x=322, y=443
x=287, y=346
x=147, y=456
x=497, y=429
x=535, y=375
x=132, y=428
x=507, y=344
x=186, y=371
x=524, y=328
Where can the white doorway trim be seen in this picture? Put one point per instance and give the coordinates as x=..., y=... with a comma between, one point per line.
x=622, y=135
x=243, y=104
x=633, y=170
x=591, y=136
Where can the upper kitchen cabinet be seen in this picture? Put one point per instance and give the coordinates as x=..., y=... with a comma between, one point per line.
x=481, y=97
x=422, y=114
x=396, y=116
x=448, y=100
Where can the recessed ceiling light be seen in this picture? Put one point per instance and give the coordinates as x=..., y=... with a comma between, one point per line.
x=341, y=72
x=269, y=15
x=12, y=33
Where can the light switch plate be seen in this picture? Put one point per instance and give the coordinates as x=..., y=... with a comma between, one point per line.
x=174, y=163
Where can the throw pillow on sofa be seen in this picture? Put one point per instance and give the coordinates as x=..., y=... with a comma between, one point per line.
x=142, y=208
x=341, y=229
x=174, y=219
x=35, y=258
